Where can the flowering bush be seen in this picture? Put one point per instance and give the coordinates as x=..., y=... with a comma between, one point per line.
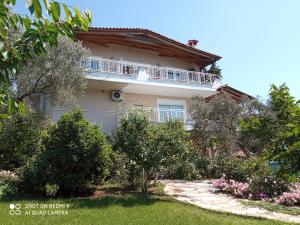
x=8, y=181
x=291, y=197
x=248, y=190
x=260, y=183
x=6, y=176
x=236, y=188
x=269, y=185
x=7, y=173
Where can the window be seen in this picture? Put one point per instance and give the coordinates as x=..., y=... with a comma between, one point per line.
x=171, y=112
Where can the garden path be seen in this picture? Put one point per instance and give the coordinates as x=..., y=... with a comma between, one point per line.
x=204, y=195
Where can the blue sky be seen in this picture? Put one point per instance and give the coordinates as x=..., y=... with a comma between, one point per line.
x=258, y=39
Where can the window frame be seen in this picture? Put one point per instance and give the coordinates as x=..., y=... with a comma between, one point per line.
x=171, y=102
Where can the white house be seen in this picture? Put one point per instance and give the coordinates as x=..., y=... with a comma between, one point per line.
x=140, y=68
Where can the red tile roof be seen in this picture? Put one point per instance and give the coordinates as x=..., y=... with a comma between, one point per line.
x=234, y=93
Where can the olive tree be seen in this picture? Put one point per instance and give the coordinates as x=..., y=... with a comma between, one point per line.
x=39, y=30
x=150, y=145
x=217, y=122
x=57, y=74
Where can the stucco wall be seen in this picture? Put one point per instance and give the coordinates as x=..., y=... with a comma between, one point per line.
x=118, y=52
x=98, y=107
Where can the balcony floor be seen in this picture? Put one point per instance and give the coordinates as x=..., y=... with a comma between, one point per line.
x=154, y=87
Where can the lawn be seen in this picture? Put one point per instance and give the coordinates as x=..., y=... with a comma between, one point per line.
x=123, y=210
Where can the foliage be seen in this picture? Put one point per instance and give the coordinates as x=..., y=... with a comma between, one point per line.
x=38, y=31
x=250, y=178
x=8, y=184
x=292, y=197
x=232, y=167
x=266, y=184
x=236, y=188
x=21, y=138
x=133, y=138
x=285, y=145
x=217, y=123
x=216, y=70
x=204, y=166
x=171, y=143
x=278, y=130
x=9, y=190
x=51, y=189
x=256, y=129
x=76, y=157
x=7, y=176
x=186, y=170
x=258, y=186
x=151, y=146
x=57, y=74
x=124, y=171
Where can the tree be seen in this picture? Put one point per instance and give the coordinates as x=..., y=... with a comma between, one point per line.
x=286, y=143
x=150, y=145
x=57, y=74
x=217, y=123
x=278, y=129
x=39, y=30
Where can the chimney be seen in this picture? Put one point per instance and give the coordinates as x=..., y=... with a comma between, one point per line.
x=192, y=43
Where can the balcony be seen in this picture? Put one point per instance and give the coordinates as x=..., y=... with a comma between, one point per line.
x=95, y=66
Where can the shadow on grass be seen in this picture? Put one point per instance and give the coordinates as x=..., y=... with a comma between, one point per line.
x=124, y=200
x=107, y=201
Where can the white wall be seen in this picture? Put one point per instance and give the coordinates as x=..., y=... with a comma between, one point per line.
x=99, y=109
x=118, y=52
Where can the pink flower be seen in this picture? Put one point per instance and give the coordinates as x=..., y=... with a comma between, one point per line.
x=290, y=198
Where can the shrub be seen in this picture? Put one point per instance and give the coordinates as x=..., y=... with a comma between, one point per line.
x=20, y=139
x=292, y=197
x=76, y=158
x=187, y=171
x=261, y=181
x=236, y=188
x=267, y=185
x=124, y=171
x=204, y=166
x=232, y=167
x=8, y=184
x=51, y=189
x=151, y=146
x=7, y=177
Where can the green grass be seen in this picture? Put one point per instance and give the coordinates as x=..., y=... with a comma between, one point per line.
x=273, y=207
x=126, y=210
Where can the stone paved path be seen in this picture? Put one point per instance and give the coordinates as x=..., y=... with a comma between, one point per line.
x=203, y=194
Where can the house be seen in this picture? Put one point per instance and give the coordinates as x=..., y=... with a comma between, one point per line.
x=138, y=68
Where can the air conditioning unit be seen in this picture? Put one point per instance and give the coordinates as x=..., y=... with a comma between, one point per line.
x=117, y=95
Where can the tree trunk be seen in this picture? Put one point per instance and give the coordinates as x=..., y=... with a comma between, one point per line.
x=145, y=182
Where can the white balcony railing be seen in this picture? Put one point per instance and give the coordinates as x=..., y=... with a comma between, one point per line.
x=148, y=72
